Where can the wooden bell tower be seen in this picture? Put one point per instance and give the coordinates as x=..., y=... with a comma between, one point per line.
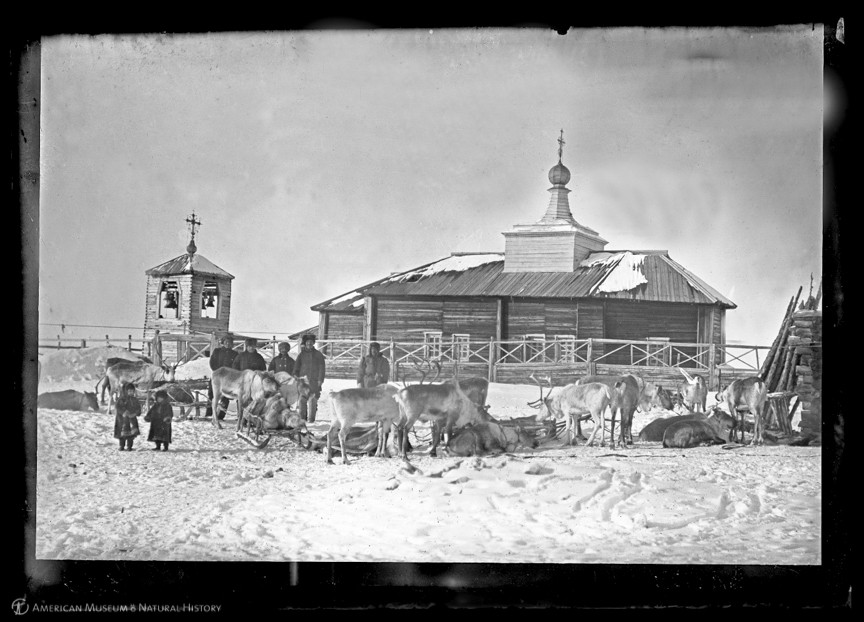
x=186, y=295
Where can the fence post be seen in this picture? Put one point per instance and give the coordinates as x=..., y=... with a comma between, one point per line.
x=130, y=343
x=491, y=376
x=589, y=357
x=107, y=343
x=275, y=346
x=494, y=355
x=712, y=368
x=83, y=343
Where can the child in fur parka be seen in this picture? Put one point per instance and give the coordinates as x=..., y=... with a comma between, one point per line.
x=159, y=416
x=126, y=420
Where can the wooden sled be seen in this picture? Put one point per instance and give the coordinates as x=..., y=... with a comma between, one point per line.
x=251, y=429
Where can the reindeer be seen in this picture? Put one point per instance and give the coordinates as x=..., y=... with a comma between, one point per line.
x=576, y=399
x=142, y=376
x=103, y=385
x=424, y=367
x=292, y=388
x=628, y=393
x=693, y=392
x=249, y=387
x=441, y=404
x=688, y=432
x=353, y=406
x=743, y=395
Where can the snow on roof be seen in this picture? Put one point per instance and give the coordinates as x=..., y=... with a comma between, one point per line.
x=454, y=263
x=626, y=274
x=344, y=298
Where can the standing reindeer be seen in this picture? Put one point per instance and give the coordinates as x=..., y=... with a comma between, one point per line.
x=693, y=392
x=743, y=395
x=444, y=405
x=142, y=376
x=575, y=400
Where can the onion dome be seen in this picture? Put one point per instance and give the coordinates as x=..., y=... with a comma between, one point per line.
x=559, y=174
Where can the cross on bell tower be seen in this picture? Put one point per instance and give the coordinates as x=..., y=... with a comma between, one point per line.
x=193, y=222
x=561, y=144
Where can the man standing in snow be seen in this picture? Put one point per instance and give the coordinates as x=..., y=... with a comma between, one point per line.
x=282, y=362
x=250, y=358
x=222, y=356
x=374, y=368
x=310, y=363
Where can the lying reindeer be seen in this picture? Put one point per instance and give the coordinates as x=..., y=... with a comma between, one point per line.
x=489, y=437
x=714, y=429
x=276, y=414
x=69, y=399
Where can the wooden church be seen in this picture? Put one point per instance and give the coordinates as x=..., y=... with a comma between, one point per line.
x=186, y=296
x=555, y=280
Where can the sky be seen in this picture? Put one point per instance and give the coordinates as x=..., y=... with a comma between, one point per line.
x=321, y=160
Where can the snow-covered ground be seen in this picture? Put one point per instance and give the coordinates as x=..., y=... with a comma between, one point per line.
x=214, y=497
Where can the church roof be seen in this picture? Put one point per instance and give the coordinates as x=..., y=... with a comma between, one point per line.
x=650, y=276
x=189, y=264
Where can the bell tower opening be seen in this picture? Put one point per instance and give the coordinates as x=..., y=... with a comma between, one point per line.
x=210, y=300
x=169, y=300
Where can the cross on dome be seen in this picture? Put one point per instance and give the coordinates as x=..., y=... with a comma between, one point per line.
x=193, y=222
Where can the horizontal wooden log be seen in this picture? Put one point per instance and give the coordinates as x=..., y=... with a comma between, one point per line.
x=807, y=313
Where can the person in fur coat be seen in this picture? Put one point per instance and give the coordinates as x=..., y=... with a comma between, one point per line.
x=159, y=417
x=126, y=420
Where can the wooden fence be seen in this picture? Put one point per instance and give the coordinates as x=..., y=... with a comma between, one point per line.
x=499, y=361
x=514, y=361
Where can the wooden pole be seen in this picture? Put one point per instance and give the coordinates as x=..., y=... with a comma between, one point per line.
x=790, y=379
x=58, y=342
x=779, y=361
x=83, y=343
x=784, y=373
x=769, y=358
x=491, y=375
x=130, y=343
x=712, y=366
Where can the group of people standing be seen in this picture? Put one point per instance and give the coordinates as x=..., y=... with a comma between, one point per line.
x=310, y=363
x=374, y=369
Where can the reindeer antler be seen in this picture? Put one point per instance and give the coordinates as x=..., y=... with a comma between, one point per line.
x=538, y=402
x=424, y=366
x=686, y=375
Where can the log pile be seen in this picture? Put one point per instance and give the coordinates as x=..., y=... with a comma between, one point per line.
x=793, y=365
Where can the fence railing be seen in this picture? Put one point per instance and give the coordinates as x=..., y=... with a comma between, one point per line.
x=489, y=357
x=700, y=356
x=65, y=343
